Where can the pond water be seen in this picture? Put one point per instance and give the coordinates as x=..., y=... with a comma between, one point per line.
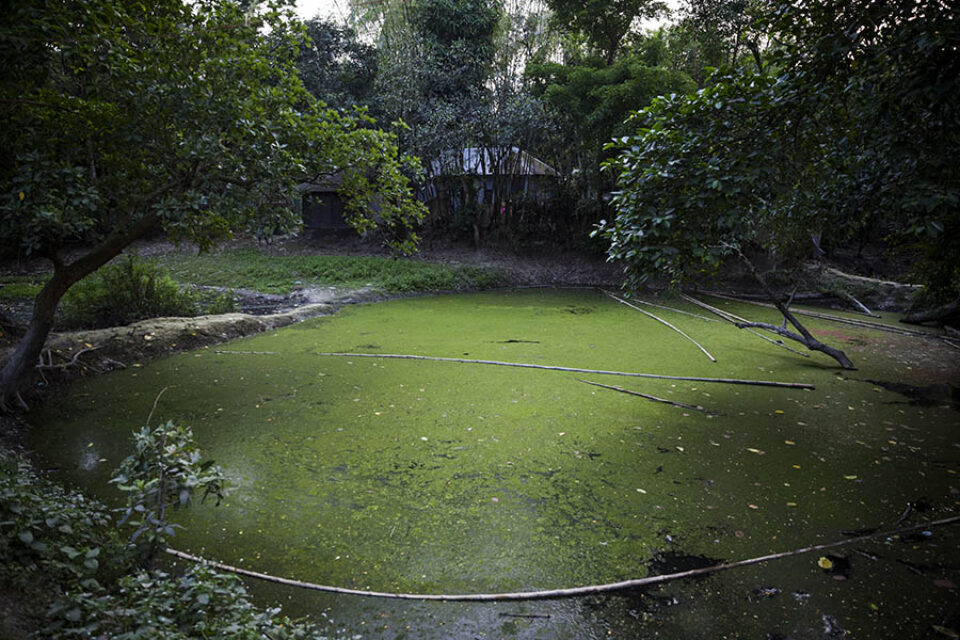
x=442, y=477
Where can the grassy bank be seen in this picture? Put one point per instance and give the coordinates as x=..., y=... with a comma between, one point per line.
x=250, y=269
x=253, y=270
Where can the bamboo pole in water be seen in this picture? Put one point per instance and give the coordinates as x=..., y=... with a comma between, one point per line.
x=559, y=593
x=661, y=321
x=656, y=376
x=613, y=387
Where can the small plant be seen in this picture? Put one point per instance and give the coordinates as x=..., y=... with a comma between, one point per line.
x=165, y=473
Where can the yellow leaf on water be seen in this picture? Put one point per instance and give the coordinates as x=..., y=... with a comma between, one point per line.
x=790, y=442
x=825, y=563
x=756, y=451
x=22, y=196
x=849, y=477
x=779, y=411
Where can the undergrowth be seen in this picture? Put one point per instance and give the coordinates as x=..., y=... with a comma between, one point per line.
x=130, y=290
x=75, y=575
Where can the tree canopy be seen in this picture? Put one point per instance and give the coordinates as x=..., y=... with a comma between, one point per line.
x=123, y=118
x=853, y=124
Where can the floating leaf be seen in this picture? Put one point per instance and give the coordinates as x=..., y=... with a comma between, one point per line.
x=825, y=563
x=756, y=451
x=849, y=477
x=789, y=442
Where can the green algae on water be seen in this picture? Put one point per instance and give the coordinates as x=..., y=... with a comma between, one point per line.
x=436, y=477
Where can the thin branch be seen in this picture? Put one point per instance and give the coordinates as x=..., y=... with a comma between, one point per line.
x=679, y=405
x=66, y=365
x=673, y=309
x=155, y=402
x=661, y=321
x=561, y=593
x=760, y=383
x=734, y=319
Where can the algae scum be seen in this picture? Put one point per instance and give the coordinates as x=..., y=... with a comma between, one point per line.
x=441, y=477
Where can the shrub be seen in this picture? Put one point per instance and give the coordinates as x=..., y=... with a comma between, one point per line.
x=132, y=290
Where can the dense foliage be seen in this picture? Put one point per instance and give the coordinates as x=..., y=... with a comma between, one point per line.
x=122, y=119
x=853, y=127
x=87, y=577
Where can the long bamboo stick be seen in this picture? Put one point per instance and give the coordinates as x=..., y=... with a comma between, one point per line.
x=656, y=376
x=674, y=309
x=734, y=319
x=661, y=321
x=614, y=387
x=559, y=593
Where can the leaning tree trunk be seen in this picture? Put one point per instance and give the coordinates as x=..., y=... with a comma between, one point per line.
x=18, y=370
x=803, y=336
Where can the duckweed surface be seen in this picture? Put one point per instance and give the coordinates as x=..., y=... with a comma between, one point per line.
x=440, y=477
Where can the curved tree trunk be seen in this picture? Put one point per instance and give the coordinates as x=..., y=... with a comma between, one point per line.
x=18, y=369
x=16, y=372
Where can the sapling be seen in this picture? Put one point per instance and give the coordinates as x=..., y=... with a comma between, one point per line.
x=165, y=473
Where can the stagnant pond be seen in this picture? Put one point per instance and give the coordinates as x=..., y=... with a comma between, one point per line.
x=445, y=477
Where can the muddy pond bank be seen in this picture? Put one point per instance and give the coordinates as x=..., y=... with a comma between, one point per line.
x=447, y=477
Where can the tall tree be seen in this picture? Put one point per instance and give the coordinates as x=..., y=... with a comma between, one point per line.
x=604, y=23
x=122, y=118
x=335, y=66
x=857, y=125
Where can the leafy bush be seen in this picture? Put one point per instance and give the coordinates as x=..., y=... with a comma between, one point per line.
x=161, y=476
x=133, y=290
x=43, y=525
x=201, y=603
x=54, y=541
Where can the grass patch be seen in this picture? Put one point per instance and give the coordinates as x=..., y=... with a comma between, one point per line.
x=21, y=288
x=250, y=269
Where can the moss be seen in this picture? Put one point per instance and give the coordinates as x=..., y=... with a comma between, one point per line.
x=442, y=477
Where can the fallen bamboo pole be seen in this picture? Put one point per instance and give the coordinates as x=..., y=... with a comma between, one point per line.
x=674, y=310
x=734, y=319
x=680, y=405
x=661, y=321
x=866, y=324
x=655, y=376
x=559, y=593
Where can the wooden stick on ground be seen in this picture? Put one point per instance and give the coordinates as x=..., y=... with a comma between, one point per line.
x=661, y=321
x=680, y=405
x=561, y=593
x=734, y=319
x=655, y=376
